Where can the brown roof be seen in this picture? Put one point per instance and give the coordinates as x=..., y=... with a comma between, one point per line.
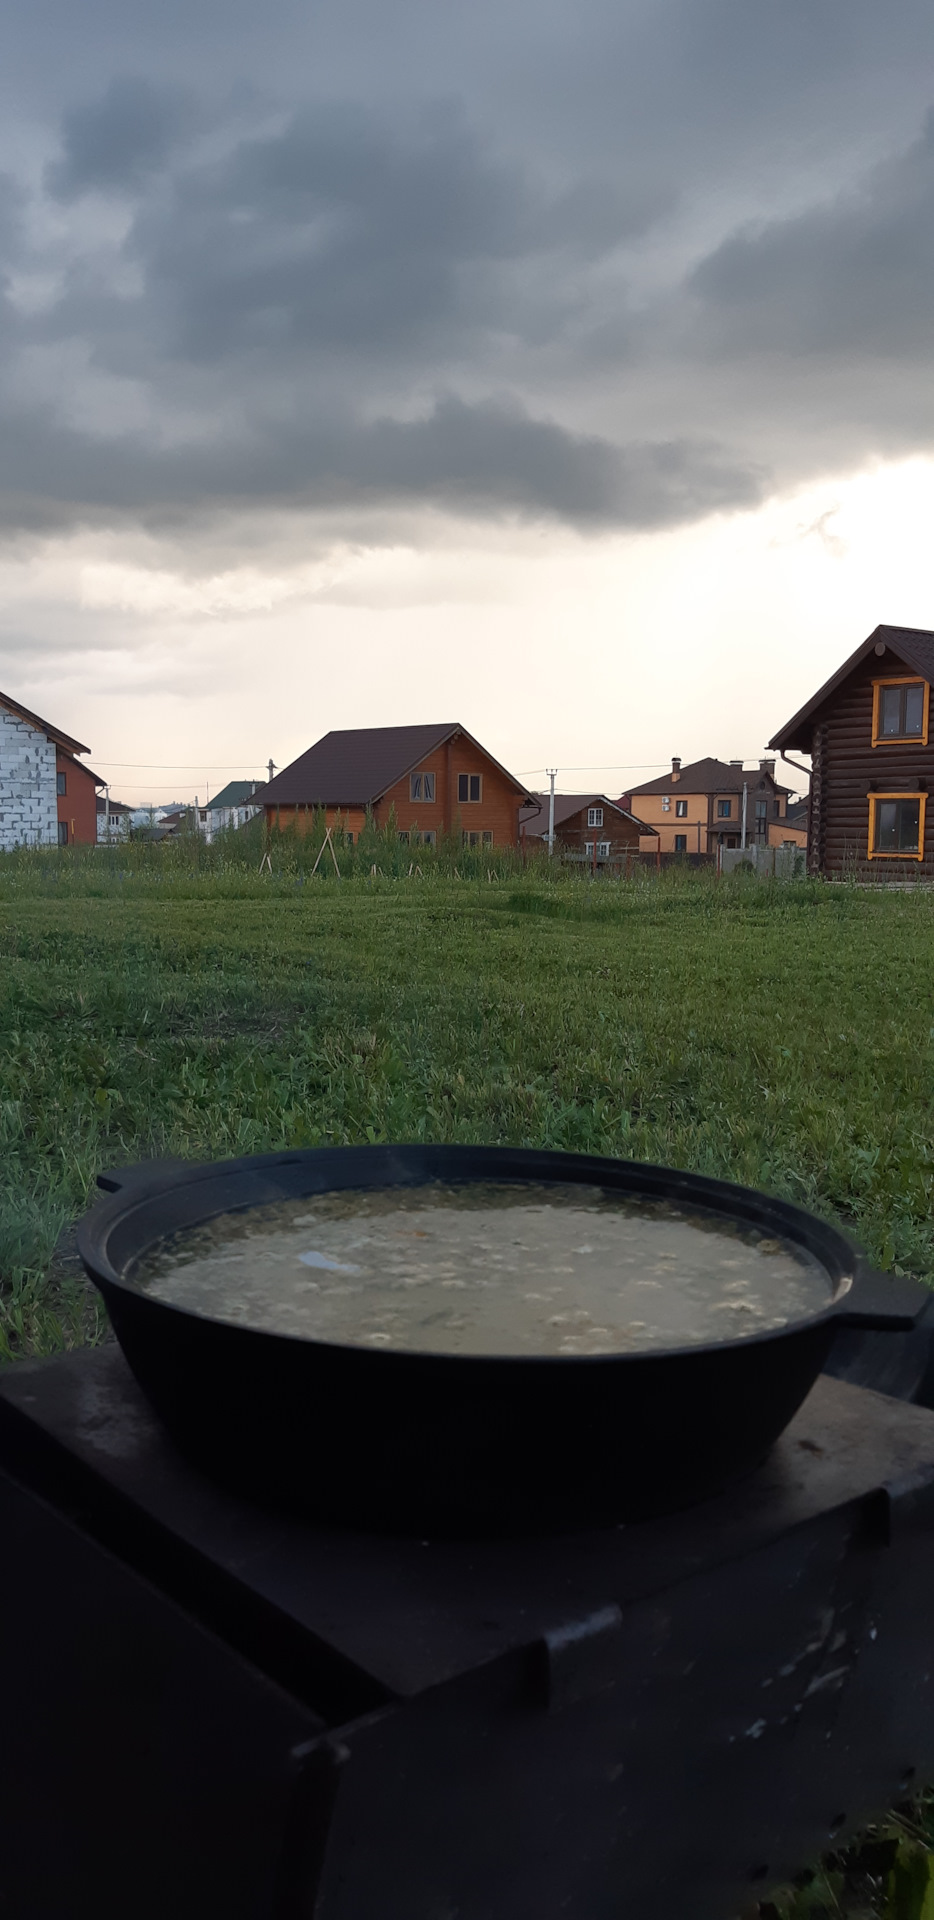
x=707, y=776
x=535, y=817
x=43, y=726
x=355, y=766
x=913, y=645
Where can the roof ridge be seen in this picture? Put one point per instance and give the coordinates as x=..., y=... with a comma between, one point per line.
x=43, y=726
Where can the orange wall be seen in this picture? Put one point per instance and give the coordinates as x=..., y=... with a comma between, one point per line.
x=497, y=812
x=648, y=808
x=78, y=805
x=782, y=830
x=352, y=819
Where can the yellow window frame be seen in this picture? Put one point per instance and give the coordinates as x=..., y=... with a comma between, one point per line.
x=884, y=853
x=896, y=739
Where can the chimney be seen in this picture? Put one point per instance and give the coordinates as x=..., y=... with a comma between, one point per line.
x=675, y=768
x=767, y=766
x=736, y=763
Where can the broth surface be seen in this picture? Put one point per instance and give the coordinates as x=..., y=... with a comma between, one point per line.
x=485, y=1268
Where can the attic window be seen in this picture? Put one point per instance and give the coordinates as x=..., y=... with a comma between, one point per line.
x=421, y=786
x=594, y=816
x=899, y=711
x=896, y=826
x=468, y=787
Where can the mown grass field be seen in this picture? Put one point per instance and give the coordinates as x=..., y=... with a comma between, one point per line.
x=777, y=1035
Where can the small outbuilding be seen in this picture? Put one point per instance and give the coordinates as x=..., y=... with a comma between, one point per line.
x=588, y=826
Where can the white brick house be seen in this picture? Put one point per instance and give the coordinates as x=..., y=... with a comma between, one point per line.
x=29, y=779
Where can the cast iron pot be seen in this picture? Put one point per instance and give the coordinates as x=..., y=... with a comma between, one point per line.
x=450, y=1443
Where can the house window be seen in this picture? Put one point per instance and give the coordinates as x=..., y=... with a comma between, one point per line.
x=469, y=786
x=61, y=784
x=896, y=826
x=603, y=849
x=899, y=711
x=681, y=809
x=681, y=843
x=403, y=839
x=421, y=786
x=724, y=809
x=428, y=838
x=63, y=833
x=203, y=814
x=594, y=816
x=477, y=839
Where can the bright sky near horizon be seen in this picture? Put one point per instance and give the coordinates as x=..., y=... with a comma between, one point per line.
x=562, y=370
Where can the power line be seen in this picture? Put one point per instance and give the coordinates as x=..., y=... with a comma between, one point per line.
x=626, y=766
x=181, y=766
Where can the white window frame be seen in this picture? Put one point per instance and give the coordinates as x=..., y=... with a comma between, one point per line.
x=594, y=816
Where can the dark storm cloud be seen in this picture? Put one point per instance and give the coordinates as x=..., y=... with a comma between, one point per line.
x=852, y=278
x=115, y=143
x=489, y=458
x=342, y=233
x=524, y=283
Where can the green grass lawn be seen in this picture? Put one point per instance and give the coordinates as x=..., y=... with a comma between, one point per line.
x=778, y=1035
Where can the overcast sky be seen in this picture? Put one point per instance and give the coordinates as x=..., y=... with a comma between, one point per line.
x=565, y=370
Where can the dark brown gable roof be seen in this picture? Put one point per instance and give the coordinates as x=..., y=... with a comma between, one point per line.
x=357, y=765
x=535, y=818
x=707, y=776
x=42, y=726
x=912, y=645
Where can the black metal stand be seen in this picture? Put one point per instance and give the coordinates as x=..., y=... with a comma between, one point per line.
x=210, y=1709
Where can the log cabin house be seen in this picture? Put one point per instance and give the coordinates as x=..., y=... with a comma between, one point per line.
x=698, y=808
x=430, y=780
x=867, y=733
x=588, y=827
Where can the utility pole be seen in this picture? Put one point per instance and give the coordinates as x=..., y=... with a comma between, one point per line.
x=745, y=791
x=106, y=814
x=551, y=771
x=272, y=767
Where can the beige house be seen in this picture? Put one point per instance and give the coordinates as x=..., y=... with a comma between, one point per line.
x=697, y=808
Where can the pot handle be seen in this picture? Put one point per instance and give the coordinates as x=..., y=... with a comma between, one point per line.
x=146, y=1173
x=884, y=1301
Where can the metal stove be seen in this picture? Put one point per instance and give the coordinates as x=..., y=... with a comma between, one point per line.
x=211, y=1709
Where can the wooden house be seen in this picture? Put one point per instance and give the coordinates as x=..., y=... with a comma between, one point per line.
x=47, y=795
x=588, y=827
x=695, y=809
x=429, y=780
x=867, y=732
